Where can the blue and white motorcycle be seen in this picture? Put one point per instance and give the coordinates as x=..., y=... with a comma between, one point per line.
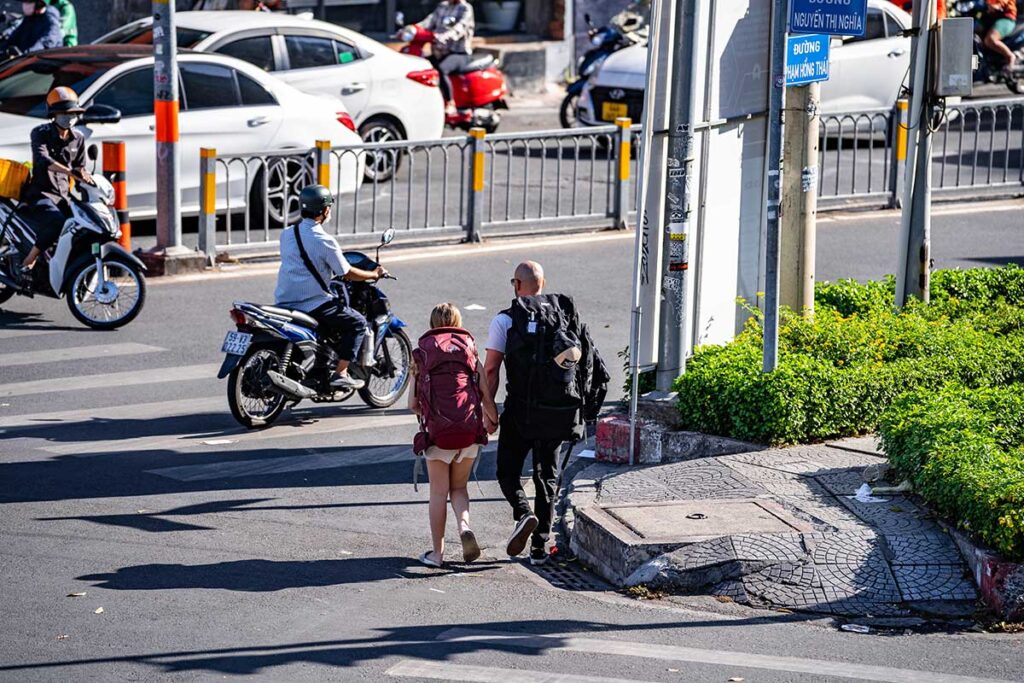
x=276, y=358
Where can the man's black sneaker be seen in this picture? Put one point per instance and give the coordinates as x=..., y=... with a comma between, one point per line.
x=538, y=556
x=520, y=535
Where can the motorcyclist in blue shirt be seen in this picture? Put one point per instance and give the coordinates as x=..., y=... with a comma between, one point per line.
x=39, y=30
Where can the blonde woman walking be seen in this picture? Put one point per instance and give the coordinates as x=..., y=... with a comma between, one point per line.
x=455, y=408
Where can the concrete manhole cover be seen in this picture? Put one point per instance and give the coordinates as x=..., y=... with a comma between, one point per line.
x=687, y=521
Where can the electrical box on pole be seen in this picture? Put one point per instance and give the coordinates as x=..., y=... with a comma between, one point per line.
x=954, y=58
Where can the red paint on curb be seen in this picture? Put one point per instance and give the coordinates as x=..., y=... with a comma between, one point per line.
x=612, y=440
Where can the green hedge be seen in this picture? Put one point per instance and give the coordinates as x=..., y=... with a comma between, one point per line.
x=964, y=451
x=838, y=371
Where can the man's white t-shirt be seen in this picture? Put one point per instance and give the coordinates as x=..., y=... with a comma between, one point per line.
x=497, y=335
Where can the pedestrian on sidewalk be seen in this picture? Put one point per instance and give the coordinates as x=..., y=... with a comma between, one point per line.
x=556, y=381
x=455, y=408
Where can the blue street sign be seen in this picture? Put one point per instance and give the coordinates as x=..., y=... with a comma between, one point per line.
x=834, y=17
x=806, y=59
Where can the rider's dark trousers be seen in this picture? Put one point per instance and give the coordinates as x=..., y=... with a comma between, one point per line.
x=47, y=219
x=343, y=324
x=513, y=450
x=447, y=65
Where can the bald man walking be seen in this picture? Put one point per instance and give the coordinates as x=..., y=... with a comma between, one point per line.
x=536, y=338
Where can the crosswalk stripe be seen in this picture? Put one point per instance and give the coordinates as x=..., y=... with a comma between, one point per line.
x=819, y=667
x=443, y=671
x=76, y=353
x=138, y=411
x=18, y=332
x=110, y=379
x=237, y=434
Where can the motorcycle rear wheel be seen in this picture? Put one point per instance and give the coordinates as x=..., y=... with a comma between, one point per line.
x=384, y=392
x=5, y=294
x=253, y=401
x=567, y=112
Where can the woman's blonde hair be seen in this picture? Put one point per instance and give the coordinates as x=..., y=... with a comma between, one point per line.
x=445, y=315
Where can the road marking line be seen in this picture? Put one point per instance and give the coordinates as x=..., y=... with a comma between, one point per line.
x=979, y=208
x=818, y=667
x=287, y=429
x=443, y=671
x=110, y=379
x=300, y=463
x=139, y=411
x=75, y=353
x=421, y=255
x=17, y=332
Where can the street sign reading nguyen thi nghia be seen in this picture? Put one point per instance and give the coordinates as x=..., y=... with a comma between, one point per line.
x=834, y=17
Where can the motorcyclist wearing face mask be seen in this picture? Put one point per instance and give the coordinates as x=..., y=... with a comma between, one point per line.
x=39, y=30
x=58, y=154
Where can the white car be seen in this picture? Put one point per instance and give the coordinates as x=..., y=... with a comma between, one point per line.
x=866, y=72
x=226, y=104
x=391, y=96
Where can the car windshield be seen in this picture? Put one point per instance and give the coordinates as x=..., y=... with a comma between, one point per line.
x=142, y=34
x=25, y=82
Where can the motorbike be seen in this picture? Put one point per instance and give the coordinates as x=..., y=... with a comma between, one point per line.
x=478, y=90
x=990, y=64
x=275, y=358
x=103, y=283
x=625, y=29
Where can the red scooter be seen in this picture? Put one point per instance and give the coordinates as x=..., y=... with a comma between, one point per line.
x=478, y=89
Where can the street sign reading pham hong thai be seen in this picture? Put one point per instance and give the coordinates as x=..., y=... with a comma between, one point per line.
x=833, y=17
x=806, y=59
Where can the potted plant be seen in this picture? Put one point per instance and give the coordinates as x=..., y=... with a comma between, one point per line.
x=501, y=15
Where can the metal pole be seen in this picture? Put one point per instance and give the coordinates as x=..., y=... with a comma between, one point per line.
x=625, y=152
x=634, y=394
x=773, y=166
x=908, y=272
x=682, y=103
x=208, y=203
x=475, y=196
x=165, y=107
x=809, y=208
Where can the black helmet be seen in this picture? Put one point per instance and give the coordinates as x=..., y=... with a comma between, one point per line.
x=314, y=199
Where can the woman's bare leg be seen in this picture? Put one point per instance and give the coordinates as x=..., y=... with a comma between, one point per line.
x=437, y=470
x=459, y=478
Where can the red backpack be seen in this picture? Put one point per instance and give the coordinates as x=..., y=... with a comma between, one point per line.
x=448, y=391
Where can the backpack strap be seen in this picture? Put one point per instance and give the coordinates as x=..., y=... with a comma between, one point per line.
x=305, y=259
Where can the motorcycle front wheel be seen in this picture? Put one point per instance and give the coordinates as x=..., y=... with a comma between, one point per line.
x=252, y=397
x=567, y=112
x=111, y=305
x=390, y=378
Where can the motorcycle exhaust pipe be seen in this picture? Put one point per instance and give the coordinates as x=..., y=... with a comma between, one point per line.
x=289, y=386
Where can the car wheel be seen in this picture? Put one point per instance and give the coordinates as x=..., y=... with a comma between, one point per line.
x=381, y=165
x=286, y=176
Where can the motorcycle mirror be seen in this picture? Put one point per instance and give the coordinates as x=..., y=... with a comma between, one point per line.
x=93, y=152
x=399, y=19
x=388, y=237
x=100, y=113
x=586, y=18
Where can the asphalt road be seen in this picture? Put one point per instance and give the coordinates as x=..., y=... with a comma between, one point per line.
x=289, y=554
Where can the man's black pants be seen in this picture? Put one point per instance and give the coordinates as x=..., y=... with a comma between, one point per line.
x=512, y=452
x=343, y=324
x=47, y=219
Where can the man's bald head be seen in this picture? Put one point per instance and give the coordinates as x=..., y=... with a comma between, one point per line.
x=529, y=278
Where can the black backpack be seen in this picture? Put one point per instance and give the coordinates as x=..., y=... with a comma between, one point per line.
x=549, y=402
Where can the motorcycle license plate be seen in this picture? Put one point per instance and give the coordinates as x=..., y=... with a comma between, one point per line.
x=613, y=110
x=236, y=343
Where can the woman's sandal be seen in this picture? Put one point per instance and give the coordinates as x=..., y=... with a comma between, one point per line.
x=470, y=548
x=426, y=559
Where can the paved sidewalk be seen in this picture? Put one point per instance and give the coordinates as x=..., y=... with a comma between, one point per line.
x=827, y=552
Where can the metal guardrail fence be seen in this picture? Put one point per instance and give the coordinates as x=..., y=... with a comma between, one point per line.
x=518, y=182
x=978, y=147
x=460, y=186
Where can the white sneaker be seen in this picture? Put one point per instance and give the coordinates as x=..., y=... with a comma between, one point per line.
x=346, y=381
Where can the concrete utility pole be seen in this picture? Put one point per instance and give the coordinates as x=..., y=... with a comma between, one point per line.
x=912, y=275
x=165, y=107
x=800, y=198
x=773, y=170
x=678, y=196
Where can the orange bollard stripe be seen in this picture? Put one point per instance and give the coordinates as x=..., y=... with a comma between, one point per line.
x=120, y=193
x=114, y=157
x=624, y=156
x=210, y=194
x=166, y=120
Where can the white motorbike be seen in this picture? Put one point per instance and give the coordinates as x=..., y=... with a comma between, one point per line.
x=103, y=283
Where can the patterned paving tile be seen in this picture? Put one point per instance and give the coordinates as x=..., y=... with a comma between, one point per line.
x=896, y=516
x=847, y=548
x=706, y=481
x=926, y=548
x=869, y=580
x=934, y=582
x=769, y=548
x=841, y=482
x=704, y=554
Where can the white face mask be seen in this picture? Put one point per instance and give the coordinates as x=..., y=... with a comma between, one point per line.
x=66, y=121
x=28, y=8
